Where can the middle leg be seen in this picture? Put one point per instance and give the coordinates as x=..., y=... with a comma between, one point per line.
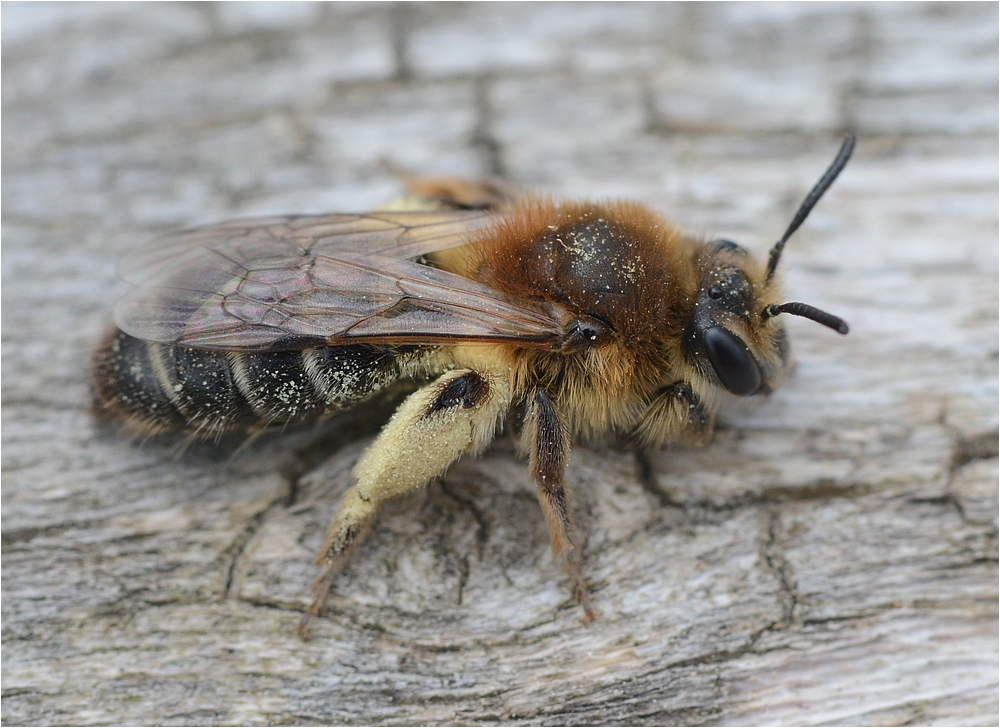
x=548, y=442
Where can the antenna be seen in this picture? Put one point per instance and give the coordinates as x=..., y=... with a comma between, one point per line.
x=810, y=202
x=806, y=311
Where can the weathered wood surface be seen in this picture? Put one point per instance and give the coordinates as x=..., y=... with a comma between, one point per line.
x=830, y=558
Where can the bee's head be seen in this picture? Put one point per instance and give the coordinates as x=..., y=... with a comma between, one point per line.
x=732, y=335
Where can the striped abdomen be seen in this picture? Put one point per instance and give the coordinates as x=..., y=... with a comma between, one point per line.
x=155, y=388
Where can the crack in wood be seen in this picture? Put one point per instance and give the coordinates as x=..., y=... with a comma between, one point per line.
x=781, y=568
x=977, y=447
x=400, y=23
x=483, y=529
x=483, y=137
x=239, y=544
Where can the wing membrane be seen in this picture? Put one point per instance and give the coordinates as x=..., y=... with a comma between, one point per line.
x=288, y=283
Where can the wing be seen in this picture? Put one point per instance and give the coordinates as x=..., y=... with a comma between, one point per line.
x=293, y=282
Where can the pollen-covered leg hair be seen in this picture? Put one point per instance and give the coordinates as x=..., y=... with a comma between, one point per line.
x=453, y=416
x=675, y=414
x=548, y=440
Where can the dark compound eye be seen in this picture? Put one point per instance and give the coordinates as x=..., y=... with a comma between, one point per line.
x=723, y=244
x=732, y=361
x=715, y=292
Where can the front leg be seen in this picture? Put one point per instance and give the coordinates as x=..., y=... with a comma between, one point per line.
x=548, y=441
x=434, y=427
x=675, y=414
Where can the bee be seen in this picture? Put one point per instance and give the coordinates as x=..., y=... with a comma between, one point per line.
x=583, y=318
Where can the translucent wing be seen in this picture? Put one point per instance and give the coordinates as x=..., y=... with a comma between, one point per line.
x=293, y=282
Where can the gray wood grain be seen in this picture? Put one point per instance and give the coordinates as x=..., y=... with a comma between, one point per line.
x=831, y=557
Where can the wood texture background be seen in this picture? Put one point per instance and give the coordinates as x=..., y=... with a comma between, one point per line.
x=830, y=558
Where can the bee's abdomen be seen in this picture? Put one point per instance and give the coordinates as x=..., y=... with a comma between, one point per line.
x=155, y=388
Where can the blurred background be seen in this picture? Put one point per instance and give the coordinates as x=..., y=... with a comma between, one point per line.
x=866, y=486
x=182, y=112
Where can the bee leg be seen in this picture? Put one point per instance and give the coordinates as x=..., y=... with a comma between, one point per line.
x=675, y=414
x=454, y=415
x=549, y=450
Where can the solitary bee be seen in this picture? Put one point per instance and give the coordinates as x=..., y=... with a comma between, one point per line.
x=584, y=318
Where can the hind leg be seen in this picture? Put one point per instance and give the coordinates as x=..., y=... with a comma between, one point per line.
x=455, y=415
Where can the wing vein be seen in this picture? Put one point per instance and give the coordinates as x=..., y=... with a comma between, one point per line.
x=293, y=282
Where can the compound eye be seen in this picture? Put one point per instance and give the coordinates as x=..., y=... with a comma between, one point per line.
x=732, y=361
x=723, y=244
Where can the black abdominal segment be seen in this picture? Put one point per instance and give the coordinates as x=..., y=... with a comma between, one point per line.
x=158, y=387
